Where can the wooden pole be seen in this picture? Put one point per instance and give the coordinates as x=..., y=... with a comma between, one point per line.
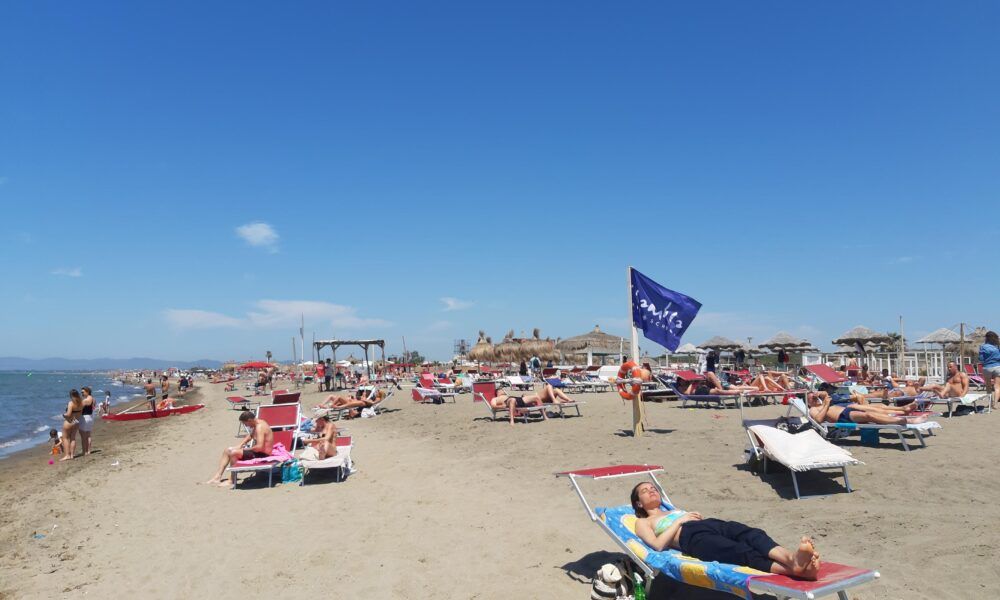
x=638, y=418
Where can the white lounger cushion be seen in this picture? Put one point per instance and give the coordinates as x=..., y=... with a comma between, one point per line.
x=342, y=458
x=801, y=451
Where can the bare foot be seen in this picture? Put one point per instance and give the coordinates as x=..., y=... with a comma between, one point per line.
x=225, y=483
x=65, y=458
x=806, y=562
x=918, y=419
x=213, y=481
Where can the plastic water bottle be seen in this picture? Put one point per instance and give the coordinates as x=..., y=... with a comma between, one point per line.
x=640, y=591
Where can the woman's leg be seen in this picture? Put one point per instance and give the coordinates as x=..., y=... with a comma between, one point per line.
x=85, y=441
x=67, y=443
x=996, y=389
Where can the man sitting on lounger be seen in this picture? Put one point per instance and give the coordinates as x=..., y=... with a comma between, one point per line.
x=957, y=385
x=824, y=411
x=263, y=441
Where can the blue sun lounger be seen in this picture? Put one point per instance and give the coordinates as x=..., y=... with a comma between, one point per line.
x=619, y=523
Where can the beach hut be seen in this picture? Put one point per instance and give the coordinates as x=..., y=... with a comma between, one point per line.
x=588, y=345
x=509, y=349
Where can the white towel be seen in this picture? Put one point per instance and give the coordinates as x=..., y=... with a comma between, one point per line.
x=801, y=451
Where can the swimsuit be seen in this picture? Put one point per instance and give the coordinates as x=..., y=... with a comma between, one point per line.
x=667, y=520
x=845, y=415
x=518, y=402
x=87, y=418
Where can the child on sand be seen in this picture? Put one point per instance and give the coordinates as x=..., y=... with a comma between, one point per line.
x=55, y=438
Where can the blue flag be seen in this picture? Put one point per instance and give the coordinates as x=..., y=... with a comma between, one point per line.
x=663, y=315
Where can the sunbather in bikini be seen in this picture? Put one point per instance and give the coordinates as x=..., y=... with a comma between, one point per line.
x=823, y=411
x=358, y=401
x=716, y=387
x=513, y=403
x=717, y=540
x=772, y=381
x=326, y=443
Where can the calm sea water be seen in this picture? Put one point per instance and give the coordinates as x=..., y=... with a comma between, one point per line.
x=32, y=403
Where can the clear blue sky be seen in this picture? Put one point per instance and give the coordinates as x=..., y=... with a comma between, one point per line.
x=792, y=165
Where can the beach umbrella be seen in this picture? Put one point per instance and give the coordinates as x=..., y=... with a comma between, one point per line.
x=687, y=348
x=720, y=343
x=257, y=364
x=594, y=343
x=940, y=336
x=509, y=349
x=862, y=335
x=483, y=351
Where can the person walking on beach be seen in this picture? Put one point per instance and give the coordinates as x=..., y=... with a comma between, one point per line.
x=150, y=394
x=989, y=355
x=164, y=386
x=320, y=375
x=71, y=424
x=106, y=405
x=86, y=420
x=523, y=369
x=328, y=376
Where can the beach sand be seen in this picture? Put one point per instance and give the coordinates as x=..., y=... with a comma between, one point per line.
x=447, y=505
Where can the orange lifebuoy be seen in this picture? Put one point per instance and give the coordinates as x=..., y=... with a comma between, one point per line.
x=630, y=371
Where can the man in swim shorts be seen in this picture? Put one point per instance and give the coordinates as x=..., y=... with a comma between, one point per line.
x=263, y=442
x=824, y=411
x=150, y=394
x=957, y=385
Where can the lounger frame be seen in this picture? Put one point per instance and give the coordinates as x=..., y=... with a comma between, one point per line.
x=756, y=585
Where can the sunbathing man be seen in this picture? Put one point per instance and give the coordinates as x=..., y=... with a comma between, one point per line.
x=263, y=441
x=716, y=540
x=957, y=385
x=772, y=381
x=823, y=411
x=326, y=443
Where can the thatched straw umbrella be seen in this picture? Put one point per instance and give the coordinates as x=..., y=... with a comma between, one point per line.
x=592, y=341
x=862, y=335
x=509, y=350
x=720, y=343
x=483, y=350
x=940, y=336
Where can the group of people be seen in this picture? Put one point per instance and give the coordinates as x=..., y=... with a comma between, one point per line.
x=547, y=395
x=78, y=419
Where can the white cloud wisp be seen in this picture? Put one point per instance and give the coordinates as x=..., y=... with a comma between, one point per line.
x=259, y=235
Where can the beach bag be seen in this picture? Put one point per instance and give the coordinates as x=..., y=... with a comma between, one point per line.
x=609, y=584
x=785, y=424
x=367, y=413
x=291, y=472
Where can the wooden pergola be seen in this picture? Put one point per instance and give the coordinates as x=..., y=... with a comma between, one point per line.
x=364, y=344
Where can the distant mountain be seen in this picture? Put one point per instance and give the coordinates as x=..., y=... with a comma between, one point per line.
x=16, y=363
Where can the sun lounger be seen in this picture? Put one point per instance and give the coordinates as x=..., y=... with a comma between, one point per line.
x=619, y=523
x=426, y=396
x=340, y=461
x=280, y=455
x=285, y=397
x=974, y=377
x=917, y=430
x=430, y=387
x=564, y=384
x=483, y=392
x=705, y=399
x=798, y=452
x=241, y=403
x=521, y=382
x=969, y=400
x=826, y=374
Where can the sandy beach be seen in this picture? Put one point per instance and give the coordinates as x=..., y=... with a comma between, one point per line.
x=446, y=504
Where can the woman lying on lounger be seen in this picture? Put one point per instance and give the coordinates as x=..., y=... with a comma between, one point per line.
x=547, y=395
x=823, y=410
x=359, y=401
x=716, y=540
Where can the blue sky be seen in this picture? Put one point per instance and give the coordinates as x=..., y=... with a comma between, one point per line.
x=182, y=180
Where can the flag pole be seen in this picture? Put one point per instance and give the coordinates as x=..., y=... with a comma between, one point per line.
x=638, y=418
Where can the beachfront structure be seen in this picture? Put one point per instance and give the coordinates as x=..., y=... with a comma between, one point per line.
x=318, y=346
x=592, y=345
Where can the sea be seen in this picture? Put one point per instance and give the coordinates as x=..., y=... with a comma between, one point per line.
x=32, y=403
